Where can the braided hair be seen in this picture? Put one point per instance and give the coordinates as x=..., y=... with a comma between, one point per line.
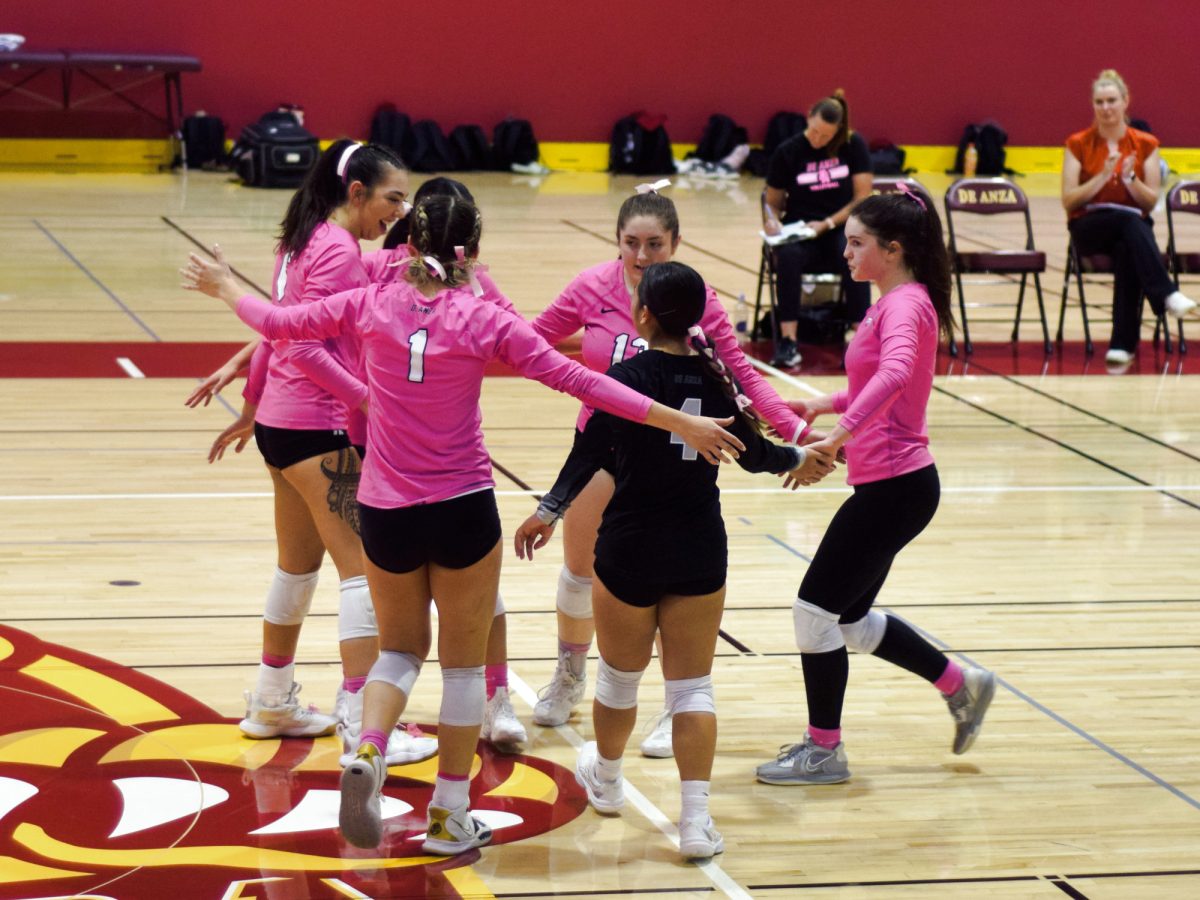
x=676, y=296
x=442, y=225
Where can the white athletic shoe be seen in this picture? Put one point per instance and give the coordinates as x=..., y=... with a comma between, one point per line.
x=1118, y=357
x=282, y=716
x=1179, y=306
x=699, y=839
x=406, y=743
x=606, y=797
x=501, y=725
x=360, y=816
x=453, y=831
x=657, y=744
x=560, y=696
x=969, y=704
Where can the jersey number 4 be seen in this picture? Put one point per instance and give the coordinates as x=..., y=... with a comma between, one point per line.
x=691, y=406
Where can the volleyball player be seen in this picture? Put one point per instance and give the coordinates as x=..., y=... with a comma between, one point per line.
x=894, y=240
x=303, y=407
x=661, y=549
x=598, y=302
x=431, y=530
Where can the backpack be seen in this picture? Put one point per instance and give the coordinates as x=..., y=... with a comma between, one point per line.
x=275, y=151
x=513, y=143
x=989, y=140
x=392, y=129
x=430, y=151
x=887, y=158
x=783, y=126
x=640, y=146
x=720, y=136
x=203, y=139
x=469, y=148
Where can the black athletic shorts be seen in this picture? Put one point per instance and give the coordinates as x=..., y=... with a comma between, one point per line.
x=637, y=591
x=453, y=533
x=283, y=447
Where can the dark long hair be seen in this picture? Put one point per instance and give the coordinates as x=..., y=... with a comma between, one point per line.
x=440, y=223
x=676, y=296
x=398, y=234
x=652, y=204
x=914, y=224
x=324, y=190
x=833, y=110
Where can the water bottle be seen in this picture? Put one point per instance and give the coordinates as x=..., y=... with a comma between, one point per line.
x=970, y=161
x=741, y=318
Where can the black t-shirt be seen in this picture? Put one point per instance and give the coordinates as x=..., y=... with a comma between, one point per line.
x=664, y=520
x=817, y=186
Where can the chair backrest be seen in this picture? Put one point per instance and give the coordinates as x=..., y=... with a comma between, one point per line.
x=887, y=184
x=986, y=196
x=1184, y=197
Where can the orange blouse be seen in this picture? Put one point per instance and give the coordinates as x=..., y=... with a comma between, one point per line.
x=1091, y=150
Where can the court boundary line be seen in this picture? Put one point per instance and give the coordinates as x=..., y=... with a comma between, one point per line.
x=186, y=235
x=96, y=281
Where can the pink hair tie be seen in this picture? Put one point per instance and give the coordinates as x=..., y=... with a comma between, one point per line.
x=742, y=401
x=344, y=160
x=460, y=254
x=696, y=331
x=908, y=192
x=659, y=185
x=436, y=267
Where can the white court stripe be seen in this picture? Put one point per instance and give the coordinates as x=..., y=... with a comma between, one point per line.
x=656, y=816
x=784, y=376
x=971, y=489
x=130, y=369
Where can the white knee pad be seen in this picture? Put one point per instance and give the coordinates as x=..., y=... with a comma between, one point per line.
x=816, y=629
x=686, y=695
x=289, y=597
x=356, y=613
x=464, y=694
x=499, y=609
x=574, y=596
x=400, y=670
x=617, y=689
x=864, y=635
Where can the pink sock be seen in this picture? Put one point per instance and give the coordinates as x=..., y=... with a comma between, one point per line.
x=355, y=684
x=951, y=680
x=496, y=677
x=566, y=647
x=825, y=737
x=378, y=738
x=277, y=662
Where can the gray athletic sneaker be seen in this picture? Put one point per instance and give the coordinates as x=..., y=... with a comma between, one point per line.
x=360, y=814
x=969, y=704
x=560, y=696
x=270, y=716
x=806, y=763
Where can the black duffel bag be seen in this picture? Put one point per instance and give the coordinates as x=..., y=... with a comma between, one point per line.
x=274, y=152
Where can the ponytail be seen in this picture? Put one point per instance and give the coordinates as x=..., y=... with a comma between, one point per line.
x=834, y=111
x=676, y=295
x=325, y=188
x=913, y=223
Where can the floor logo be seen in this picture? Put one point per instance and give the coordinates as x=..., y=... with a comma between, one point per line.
x=115, y=785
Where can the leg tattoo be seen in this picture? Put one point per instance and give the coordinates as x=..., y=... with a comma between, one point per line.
x=343, y=488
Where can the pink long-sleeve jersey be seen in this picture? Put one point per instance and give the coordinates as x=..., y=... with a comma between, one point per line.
x=889, y=367
x=598, y=302
x=312, y=384
x=424, y=359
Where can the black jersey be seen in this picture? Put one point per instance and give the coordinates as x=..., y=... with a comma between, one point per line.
x=664, y=520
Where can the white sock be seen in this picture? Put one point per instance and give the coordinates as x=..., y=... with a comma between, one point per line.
x=450, y=794
x=608, y=769
x=695, y=800
x=275, y=682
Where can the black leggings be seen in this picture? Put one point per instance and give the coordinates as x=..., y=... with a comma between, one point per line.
x=1137, y=267
x=819, y=255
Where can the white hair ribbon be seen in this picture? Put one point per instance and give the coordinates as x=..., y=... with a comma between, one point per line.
x=405, y=209
x=344, y=160
x=438, y=269
x=460, y=254
x=742, y=401
x=696, y=331
x=659, y=185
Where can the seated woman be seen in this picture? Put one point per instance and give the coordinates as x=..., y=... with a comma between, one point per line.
x=815, y=178
x=1110, y=182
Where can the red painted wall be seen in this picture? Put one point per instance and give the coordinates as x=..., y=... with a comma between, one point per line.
x=914, y=72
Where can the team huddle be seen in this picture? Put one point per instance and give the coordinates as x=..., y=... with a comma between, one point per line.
x=363, y=398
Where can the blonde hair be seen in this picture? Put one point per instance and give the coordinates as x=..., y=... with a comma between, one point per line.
x=1110, y=76
x=441, y=224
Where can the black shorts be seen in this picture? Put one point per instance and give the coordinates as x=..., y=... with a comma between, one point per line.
x=453, y=534
x=637, y=591
x=283, y=447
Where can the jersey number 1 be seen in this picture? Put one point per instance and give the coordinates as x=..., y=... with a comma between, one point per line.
x=416, y=355
x=691, y=406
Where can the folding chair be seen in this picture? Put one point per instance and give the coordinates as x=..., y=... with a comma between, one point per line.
x=1079, y=265
x=991, y=197
x=889, y=184
x=1184, y=197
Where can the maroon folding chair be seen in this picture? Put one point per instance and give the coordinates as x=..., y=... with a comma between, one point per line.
x=1184, y=197
x=891, y=184
x=993, y=197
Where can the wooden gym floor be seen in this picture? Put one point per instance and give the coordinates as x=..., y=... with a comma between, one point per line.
x=1063, y=557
